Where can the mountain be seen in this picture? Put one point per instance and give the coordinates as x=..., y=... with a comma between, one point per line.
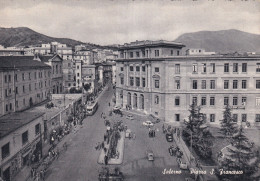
x=23, y=36
x=224, y=41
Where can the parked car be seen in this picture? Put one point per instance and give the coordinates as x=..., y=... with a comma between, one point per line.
x=130, y=117
x=182, y=163
x=150, y=155
x=116, y=108
x=169, y=137
x=153, y=119
x=148, y=123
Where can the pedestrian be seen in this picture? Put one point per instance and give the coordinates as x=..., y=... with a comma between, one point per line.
x=106, y=160
x=32, y=173
x=109, y=104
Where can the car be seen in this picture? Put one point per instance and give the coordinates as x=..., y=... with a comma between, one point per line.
x=182, y=163
x=150, y=155
x=130, y=117
x=169, y=137
x=148, y=123
x=153, y=119
x=116, y=108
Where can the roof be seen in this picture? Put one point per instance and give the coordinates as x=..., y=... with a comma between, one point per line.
x=149, y=43
x=11, y=122
x=46, y=58
x=20, y=62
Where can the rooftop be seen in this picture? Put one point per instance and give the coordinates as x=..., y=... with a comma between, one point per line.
x=11, y=122
x=20, y=62
x=149, y=43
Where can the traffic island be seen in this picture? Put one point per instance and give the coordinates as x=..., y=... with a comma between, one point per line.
x=119, y=148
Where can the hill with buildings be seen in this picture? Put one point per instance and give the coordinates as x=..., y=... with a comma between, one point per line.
x=224, y=41
x=23, y=36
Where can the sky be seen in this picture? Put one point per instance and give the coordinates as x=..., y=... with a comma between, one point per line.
x=107, y=22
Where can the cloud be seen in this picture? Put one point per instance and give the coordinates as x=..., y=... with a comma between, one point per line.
x=111, y=21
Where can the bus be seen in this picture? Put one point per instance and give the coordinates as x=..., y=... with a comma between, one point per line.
x=92, y=108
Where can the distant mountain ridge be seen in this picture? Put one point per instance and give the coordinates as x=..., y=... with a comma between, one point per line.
x=224, y=41
x=23, y=36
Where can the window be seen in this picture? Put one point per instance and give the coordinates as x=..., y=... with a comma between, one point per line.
x=6, y=79
x=143, y=68
x=212, y=84
x=122, y=69
x=244, y=84
x=243, y=101
x=177, y=68
x=69, y=84
x=171, y=52
x=177, y=117
x=178, y=84
x=226, y=101
x=156, y=53
x=257, y=67
x=204, y=68
x=235, y=67
x=226, y=84
x=143, y=53
x=30, y=87
x=194, y=100
x=29, y=76
x=23, y=76
x=212, y=68
x=156, y=69
x=16, y=90
x=234, y=117
x=244, y=67
x=131, y=81
x=156, y=99
x=25, y=137
x=77, y=66
x=244, y=117
x=235, y=84
x=122, y=80
x=235, y=101
x=23, y=89
x=37, y=129
x=203, y=101
x=226, y=67
x=212, y=101
x=257, y=101
x=137, y=54
x=137, y=81
x=6, y=93
x=5, y=150
x=203, y=84
x=157, y=84
x=78, y=74
x=15, y=77
x=131, y=54
x=212, y=117
x=177, y=101
x=194, y=84
x=9, y=78
x=137, y=68
x=131, y=68
x=194, y=68
x=257, y=118
x=143, y=80
x=257, y=85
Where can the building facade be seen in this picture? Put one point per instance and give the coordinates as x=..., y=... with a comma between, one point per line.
x=20, y=138
x=165, y=84
x=24, y=82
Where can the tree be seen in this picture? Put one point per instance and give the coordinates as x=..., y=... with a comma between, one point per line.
x=73, y=90
x=241, y=157
x=197, y=131
x=86, y=87
x=228, y=126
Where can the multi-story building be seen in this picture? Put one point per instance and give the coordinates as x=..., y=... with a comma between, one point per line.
x=87, y=56
x=69, y=76
x=23, y=83
x=53, y=48
x=153, y=77
x=56, y=62
x=198, y=51
x=21, y=137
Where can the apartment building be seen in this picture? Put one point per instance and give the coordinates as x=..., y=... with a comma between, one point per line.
x=24, y=82
x=21, y=135
x=153, y=77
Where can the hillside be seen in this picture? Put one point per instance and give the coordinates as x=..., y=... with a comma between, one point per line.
x=223, y=41
x=23, y=36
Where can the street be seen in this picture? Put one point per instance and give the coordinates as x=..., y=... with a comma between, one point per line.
x=79, y=162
